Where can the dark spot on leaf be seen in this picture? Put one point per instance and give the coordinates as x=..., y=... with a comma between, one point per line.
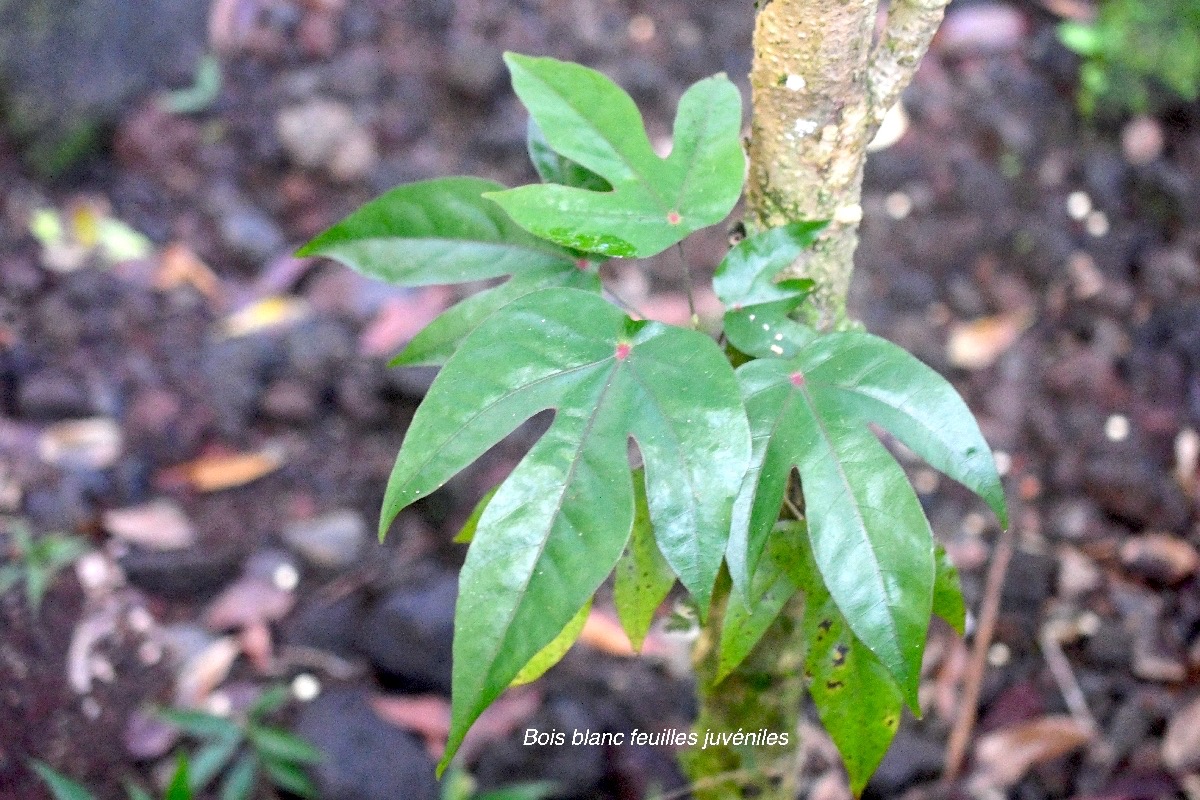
x=833, y=685
x=839, y=655
x=825, y=624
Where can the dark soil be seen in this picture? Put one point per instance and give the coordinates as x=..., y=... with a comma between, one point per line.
x=1075, y=337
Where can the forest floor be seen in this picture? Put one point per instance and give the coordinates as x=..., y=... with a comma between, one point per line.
x=215, y=418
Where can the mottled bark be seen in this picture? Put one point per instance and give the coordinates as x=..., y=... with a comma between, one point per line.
x=820, y=89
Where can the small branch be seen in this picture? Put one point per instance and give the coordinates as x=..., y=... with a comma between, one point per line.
x=910, y=28
x=964, y=725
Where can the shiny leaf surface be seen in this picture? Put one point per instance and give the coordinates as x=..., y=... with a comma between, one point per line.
x=558, y=524
x=857, y=700
x=643, y=578
x=654, y=202
x=756, y=304
x=772, y=586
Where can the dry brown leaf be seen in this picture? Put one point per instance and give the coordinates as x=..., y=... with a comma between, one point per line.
x=1181, y=745
x=603, y=632
x=179, y=266
x=399, y=319
x=1004, y=756
x=977, y=344
x=93, y=443
x=427, y=715
x=157, y=525
x=213, y=473
x=249, y=601
x=205, y=671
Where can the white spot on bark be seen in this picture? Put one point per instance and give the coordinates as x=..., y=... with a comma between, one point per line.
x=795, y=83
x=804, y=127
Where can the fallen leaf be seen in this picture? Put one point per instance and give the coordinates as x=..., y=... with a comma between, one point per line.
x=1160, y=558
x=157, y=525
x=1005, y=755
x=247, y=602
x=604, y=632
x=213, y=473
x=203, y=672
x=94, y=443
x=400, y=319
x=427, y=715
x=977, y=344
x=263, y=315
x=255, y=640
x=179, y=266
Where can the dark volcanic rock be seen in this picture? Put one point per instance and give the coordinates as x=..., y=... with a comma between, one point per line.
x=408, y=635
x=365, y=757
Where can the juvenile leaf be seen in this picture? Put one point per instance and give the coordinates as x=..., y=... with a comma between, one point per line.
x=437, y=341
x=654, y=202
x=947, y=592
x=276, y=743
x=62, y=787
x=521, y=791
x=239, y=783
x=290, y=778
x=857, y=700
x=198, y=723
x=269, y=701
x=467, y=533
x=443, y=231
x=178, y=788
x=557, y=525
x=756, y=305
x=643, y=578
x=553, y=168
x=552, y=653
x=771, y=588
x=210, y=760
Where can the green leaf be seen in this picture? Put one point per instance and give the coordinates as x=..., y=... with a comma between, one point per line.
x=239, y=782
x=870, y=537
x=269, y=701
x=771, y=588
x=521, y=791
x=757, y=306
x=208, y=762
x=553, y=168
x=947, y=592
x=276, y=743
x=552, y=653
x=178, y=788
x=467, y=534
x=557, y=525
x=290, y=778
x=10, y=576
x=643, y=578
x=654, y=202
x=199, y=723
x=62, y=787
x=436, y=231
x=857, y=700
x=443, y=231
x=135, y=792
x=438, y=340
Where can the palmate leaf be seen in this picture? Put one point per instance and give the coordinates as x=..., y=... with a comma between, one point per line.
x=857, y=700
x=443, y=231
x=643, y=578
x=553, y=653
x=948, y=600
x=870, y=538
x=654, y=202
x=557, y=525
x=774, y=583
x=756, y=305
x=555, y=168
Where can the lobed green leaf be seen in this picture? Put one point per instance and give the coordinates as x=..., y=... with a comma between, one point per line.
x=654, y=202
x=552, y=653
x=948, y=600
x=643, y=578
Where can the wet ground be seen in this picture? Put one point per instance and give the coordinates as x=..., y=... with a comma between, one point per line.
x=239, y=422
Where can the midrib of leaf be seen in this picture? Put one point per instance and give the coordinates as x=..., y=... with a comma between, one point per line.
x=875, y=567
x=558, y=506
x=621, y=156
x=466, y=424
